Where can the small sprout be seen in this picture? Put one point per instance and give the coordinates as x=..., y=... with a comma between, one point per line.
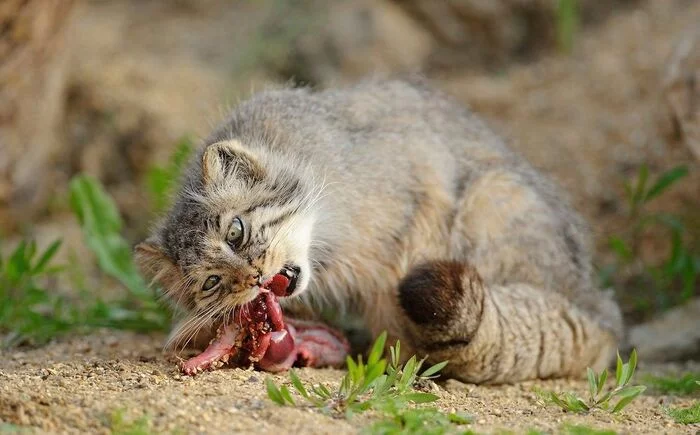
x=385, y=388
x=623, y=392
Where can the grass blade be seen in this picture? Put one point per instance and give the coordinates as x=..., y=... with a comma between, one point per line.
x=628, y=394
x=666, y=180
x=631, y=366
x=284, y=393
x=601, y=380
x=273, y=392
x=48, y=254
x=618, y=370
x=102, y=225
x=592, y=383
x=434, y=369
x=298, y=384
x=377, y=349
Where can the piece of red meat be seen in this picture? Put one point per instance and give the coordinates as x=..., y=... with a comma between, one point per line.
x=260, y=335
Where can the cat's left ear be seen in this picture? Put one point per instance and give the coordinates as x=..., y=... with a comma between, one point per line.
x=154, y=263
x=229, y=159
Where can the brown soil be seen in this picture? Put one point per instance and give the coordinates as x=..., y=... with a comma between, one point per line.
x=589, y=120
x=76, y=386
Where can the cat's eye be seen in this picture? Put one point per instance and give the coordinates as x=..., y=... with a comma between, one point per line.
x=211, y=282
x=235, y=233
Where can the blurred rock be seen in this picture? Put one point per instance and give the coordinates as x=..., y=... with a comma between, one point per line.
x=673, y=336
x=33, y=64
x=681, y=91
x=353, y=38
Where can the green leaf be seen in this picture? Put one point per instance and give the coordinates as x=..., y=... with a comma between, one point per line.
x=618, y=370
x=592, y=383
x=579, y=405
x=631, y=366
x=273, y=392
x=628, y=395
x=325, y=391
x=381, y=386
x=601, y=380
x=396, y=354
x=373, y=373
x=101, y=225
x=353, y=370
x=630, y=391
x=434, y=369
x=666, y=180
x=48, y=254
x=284, y=393
x=377, y=350
x=558, y=401
x=298, y=384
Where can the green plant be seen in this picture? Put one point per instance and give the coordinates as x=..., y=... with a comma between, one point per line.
x=161, y=180
x=680, y=270
x=567, y=19
x=101, y=226
x=429, y=421
x=577, y=429
x=34, y=314
x=366, y=385
x=690, y=415
x=686, y=384
x=29, y=312
x=378, y=385
x=119, y=425
x=597, y=399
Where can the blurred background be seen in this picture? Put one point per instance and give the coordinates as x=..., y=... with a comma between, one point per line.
x=602, y=95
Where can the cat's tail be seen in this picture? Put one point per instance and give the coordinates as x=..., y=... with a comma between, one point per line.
x=502, y=333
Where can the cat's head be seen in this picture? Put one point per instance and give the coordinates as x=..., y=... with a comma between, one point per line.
x=241, y=216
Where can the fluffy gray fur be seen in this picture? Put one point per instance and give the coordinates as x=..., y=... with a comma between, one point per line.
x=400, y=204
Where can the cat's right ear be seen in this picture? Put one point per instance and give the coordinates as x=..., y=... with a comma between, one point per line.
x=226, y=160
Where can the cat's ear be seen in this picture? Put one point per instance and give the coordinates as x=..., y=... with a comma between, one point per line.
x=229, y=159
x=155, y=264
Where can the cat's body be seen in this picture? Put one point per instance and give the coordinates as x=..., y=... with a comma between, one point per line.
x=392, y=200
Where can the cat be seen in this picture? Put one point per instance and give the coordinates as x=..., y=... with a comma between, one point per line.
x=391, y=200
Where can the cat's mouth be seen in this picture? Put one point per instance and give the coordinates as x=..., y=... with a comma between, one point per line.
x=284, y=283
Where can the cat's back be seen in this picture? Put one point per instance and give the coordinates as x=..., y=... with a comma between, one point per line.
x=407, y=115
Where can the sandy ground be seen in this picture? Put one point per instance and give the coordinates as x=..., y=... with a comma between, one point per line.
x=588, y=120
x=75, y=386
